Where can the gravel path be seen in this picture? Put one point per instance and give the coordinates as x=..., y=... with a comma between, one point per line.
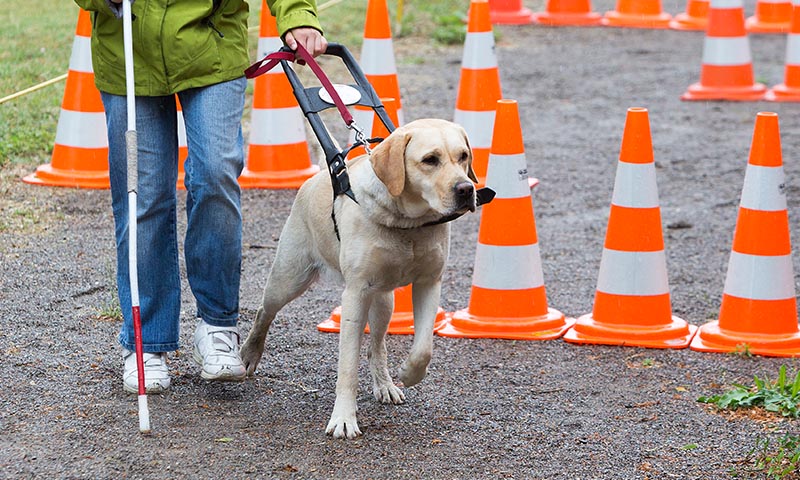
x=489, y=408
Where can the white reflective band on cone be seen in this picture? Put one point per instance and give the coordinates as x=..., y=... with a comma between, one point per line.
x=793, y=49
x=507, y=267
x=727, y=4
x=267, y=45
x=726, y=51
x=277, y=126
x=479, y=126
x=759, y=277
x=635, y=185
x=377, y=57
x=181, y=130
x=81, y=58
x=763, y=188
x=507, y=175
x=82, y=129
x=633, y=273
x=479, y=51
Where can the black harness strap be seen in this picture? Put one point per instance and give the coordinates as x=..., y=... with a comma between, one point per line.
x=343, y=155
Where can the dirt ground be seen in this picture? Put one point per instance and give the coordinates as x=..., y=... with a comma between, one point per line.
x=489, y=408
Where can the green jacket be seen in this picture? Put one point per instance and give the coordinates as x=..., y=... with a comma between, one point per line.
x=181, y=44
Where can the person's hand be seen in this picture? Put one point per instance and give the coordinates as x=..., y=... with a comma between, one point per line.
x=310, y=38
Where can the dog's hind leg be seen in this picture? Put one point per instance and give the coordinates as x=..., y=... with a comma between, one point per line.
x=293, y=271
x=380, y=314
x=426, y=302
x=356, y=301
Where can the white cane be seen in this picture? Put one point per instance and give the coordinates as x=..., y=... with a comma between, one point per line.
x=131, y=147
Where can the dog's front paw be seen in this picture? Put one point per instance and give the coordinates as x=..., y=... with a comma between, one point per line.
x=343, y=425
x=388, y=393
x=251, y=354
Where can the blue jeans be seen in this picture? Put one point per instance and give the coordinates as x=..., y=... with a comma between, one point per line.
x=212, y=247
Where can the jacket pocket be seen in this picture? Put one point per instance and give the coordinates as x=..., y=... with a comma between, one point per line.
x=190, y=45
x=201, y=59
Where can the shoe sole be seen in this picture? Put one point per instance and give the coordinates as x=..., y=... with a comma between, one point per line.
x=226, y=377
x=149, y=390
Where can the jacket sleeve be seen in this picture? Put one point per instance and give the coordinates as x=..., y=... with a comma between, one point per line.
x=105, y=6
x=294, y=14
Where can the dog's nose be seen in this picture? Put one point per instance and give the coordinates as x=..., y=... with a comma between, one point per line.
x=465, y=190
x=465, y=195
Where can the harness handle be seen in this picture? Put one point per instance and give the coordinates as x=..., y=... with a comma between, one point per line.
x=311, y=104
x=285, y=54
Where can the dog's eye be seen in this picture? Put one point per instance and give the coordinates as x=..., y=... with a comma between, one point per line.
x=464, y=157
x=430, y=160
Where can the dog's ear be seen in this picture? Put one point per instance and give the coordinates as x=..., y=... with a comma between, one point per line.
x=389, y=162
x=470, y=171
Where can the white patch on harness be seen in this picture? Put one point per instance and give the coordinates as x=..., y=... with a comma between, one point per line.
x=348, y=94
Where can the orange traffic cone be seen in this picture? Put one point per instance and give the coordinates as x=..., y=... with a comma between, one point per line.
x=771, y=16
x=402, y=321
x=278, y=152
x=758, y=308
x=637, y=14
x=183, y=148
x=479, y=86
x=377, y=61
x=727, y=71
x=80, y=154
x=694, y=18
x=789, y=90
x=568, y=13
x=509, y=12
x=377, y=55
x=632, y=301
x=508, y=297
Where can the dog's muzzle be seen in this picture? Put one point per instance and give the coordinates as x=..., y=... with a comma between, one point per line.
x=465, y=196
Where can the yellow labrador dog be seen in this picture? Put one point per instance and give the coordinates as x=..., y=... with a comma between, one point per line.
x=418, y=175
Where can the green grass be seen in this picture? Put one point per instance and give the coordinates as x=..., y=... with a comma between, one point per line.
x=781, y=396
x=35, y=46
x=37, y=42
x=109, y=312
x=440, y=20
x=777, y=459
x=742, y=350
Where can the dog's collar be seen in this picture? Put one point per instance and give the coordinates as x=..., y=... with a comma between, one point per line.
x=482, y=197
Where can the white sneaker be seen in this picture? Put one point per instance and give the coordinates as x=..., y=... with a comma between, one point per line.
x=156, y=373
x=217, y=350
